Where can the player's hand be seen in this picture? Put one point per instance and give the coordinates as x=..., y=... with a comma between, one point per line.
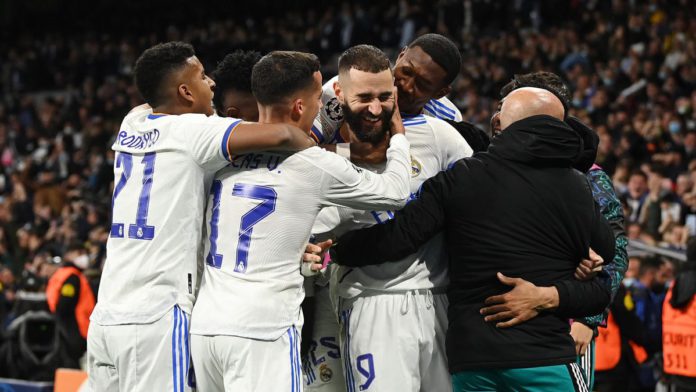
x=518, y=305
x=314, y=255
x=588, y=268
x=582, y=335
x=397, y=123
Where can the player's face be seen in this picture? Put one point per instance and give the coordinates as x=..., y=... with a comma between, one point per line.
x=239, y=104
x=368, y=103
x=311, y=103
x=419, y=79
x=200, y=86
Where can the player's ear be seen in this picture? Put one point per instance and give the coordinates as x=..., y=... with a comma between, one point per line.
x=443, y=91
x=232, y=111
x=297, y=109
x=185, y=93
x=401, y=54
x=338, y=91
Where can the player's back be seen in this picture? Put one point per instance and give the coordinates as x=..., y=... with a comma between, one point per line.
x=261, y=210
x=161, y=167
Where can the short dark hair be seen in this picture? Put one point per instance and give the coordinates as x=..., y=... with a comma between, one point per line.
x=638, y=172
x=545, y=80
x=365, y=58
x=281, y=73
x=234, y=73
x=443, y=51
x=156, y=64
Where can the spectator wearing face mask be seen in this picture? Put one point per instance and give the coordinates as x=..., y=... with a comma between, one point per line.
x=71, y=299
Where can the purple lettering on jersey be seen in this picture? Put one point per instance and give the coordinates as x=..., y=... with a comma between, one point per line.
x=146, y=140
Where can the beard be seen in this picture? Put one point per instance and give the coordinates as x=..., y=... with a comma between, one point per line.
x=364, y=130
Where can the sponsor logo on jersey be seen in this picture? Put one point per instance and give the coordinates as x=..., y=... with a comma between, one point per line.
x=325, y=373
x=333, y=109
x=416, y=167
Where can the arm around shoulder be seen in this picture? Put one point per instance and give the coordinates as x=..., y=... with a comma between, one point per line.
x=250, y=137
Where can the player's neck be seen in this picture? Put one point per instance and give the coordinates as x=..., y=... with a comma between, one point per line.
x=269, y=115
x=172, y=109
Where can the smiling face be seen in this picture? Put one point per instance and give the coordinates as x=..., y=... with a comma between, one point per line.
x=419, y=79
x=367, y=100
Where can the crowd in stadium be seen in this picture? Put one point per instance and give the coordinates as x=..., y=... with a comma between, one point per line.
x=630, y=65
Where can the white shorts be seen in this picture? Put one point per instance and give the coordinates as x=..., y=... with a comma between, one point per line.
x=140, y=357
x=231, y=363
x=395, y=342
x=323, y=368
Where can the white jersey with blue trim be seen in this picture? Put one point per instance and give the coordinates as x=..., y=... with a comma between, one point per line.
x=260, y=214
x=161, y=167
x=330, y=117
x=435, y=146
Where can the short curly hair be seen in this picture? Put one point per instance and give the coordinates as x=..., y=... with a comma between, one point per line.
x=443, y=51
x=234, y=73
x=155, y=65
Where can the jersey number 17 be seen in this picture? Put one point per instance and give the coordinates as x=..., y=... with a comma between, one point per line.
x=266, y=195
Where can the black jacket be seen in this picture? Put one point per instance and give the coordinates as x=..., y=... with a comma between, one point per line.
x=520, y=209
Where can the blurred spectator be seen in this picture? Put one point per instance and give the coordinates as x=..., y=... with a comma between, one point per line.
x=679, y=326
x=636, y=195
x=70, y=298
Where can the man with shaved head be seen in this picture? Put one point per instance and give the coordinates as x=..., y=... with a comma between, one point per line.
x=515, y=216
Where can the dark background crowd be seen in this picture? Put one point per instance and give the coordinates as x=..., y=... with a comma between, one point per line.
x=66, y=83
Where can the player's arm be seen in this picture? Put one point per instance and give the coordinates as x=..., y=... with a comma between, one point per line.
x=611, y=210
x=411, y=227
x=567, y=298
x=249, y=137
x=344, y=184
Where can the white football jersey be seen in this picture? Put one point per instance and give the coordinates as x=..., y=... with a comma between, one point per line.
x=260, y=215
x=161, y=167
x=435, y=146
x=330, y=117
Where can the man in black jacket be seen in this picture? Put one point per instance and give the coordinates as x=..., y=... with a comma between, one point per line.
x=519, y=210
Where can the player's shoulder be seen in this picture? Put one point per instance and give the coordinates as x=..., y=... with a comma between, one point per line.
x=328, y=162
x=423, y=123
x=442, y=108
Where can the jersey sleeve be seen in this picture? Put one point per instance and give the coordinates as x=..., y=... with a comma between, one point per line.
x=206, y=140
x=450, y=144
x=344, y=184
x=330, y=117
x=397, y=238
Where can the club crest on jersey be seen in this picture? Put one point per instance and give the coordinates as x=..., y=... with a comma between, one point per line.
x=333, y=109
x=325, y=373
x=416, y=167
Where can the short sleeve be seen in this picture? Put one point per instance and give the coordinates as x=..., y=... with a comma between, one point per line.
x=451, y=145
x=206, y=139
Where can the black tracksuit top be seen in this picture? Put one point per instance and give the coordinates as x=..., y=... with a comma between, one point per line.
x=518, y=208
